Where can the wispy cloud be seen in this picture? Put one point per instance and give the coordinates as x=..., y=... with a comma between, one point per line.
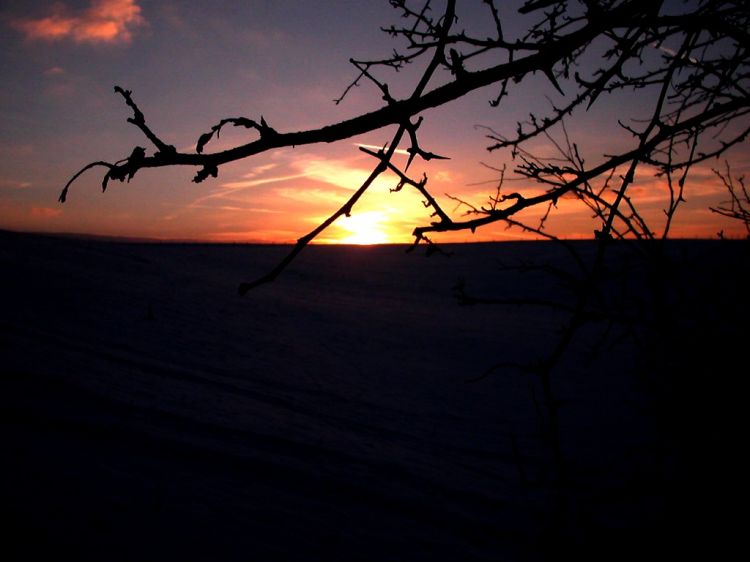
x=374, y=147
x=259, y=181
x=308, y=186
x=13, y=184
x=311, y=195
x=45, y=212
x=104, y=21
x=257, y=170
x=334, y=172
x=343, y=174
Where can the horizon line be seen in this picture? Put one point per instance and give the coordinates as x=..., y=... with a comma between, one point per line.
x=151, y=240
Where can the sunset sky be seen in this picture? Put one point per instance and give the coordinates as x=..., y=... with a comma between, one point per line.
x=191, y=63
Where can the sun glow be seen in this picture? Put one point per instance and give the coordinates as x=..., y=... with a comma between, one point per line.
x=365, y=228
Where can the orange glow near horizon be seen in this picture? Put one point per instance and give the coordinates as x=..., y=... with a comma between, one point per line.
x=364, y=229
x=283, y=196
x=190, y=64
x=281, y=207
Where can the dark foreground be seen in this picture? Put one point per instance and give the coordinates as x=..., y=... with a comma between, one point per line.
x=151, y=414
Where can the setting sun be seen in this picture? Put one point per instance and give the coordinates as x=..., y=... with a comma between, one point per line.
x=364, y=228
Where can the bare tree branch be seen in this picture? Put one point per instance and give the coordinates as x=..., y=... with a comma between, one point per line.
x=699, y=90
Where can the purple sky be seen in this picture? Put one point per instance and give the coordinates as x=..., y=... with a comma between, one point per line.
x=189, y=64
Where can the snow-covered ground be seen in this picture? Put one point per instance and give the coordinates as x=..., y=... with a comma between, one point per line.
x=152, y=414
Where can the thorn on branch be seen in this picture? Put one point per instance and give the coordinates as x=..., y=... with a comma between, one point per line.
x=415, y=149
x=503, y=92
x=456, y=64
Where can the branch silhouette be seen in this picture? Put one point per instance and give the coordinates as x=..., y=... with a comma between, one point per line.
x=703, y=86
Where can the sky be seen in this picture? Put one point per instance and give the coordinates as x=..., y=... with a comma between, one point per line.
x=191, y=63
